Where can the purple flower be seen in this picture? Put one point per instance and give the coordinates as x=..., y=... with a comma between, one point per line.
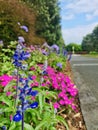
x=69, y=58
x=21, y=39
x=25, y=28
x=59, y=65
x=55, y=48
x=1, y=43
x=4, y=128
x=65, y=53
x=44, y=72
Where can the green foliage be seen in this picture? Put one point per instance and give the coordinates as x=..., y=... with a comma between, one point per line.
x=87, y=43
x=77, y=47
x=90, y=41
x=93, y=52
x=13, y=15
x=53, y=59
x=6, y=58
x=48, y=20
x=44, y=117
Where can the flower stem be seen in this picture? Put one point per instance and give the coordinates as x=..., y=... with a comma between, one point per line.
x=22, y=115
x=17, y=84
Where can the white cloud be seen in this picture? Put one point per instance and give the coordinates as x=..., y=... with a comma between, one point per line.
x=89, y=7
x=67, y=17
x=76, y=34
x=80, y=6
x=92, y=15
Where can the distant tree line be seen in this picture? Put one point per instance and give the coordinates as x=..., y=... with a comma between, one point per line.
x=77, y=48
x=90, y=41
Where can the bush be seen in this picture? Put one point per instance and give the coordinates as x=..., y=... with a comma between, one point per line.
x=13, y=15
x=93, y=52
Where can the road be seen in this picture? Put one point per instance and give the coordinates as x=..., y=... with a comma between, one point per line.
x=85, y=72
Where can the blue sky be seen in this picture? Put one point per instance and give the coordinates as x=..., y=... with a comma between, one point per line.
x=78, y=18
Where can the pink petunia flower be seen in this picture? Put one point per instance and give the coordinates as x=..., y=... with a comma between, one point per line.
x=56, y=105
x=8, y=93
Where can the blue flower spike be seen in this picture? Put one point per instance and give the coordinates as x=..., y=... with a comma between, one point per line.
x=25, y=90
x=34, y=105
x=17, y=117
x=34, y=93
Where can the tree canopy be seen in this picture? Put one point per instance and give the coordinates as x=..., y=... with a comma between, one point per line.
x=77, y=47
x=90, y=41
x=48, y=20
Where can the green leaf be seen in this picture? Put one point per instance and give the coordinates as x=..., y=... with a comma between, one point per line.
x=60, y=119
x=41, y=124
x=8, y=109
x=12, y=126
x=52, y=128
x=28, y=127
x=40, y=102
x=10, y=84
x=3, y=121
x=6, y=100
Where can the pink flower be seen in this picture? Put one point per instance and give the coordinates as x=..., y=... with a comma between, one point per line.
x=62, y=102
x=32, y=68
x=3, y=103
x=14, y=87
x=45, y=77
x=4, y=83
x=61, y=94
x=11, y=117
x=33, y=98
x=48, y=82
x=35, y=83
x=44, y=84
x=5, y=79
x=8, y=93
x=67, y=79
x=34, y=77
x=73, y=107
x=56, y=105
x=47, y=93
x=63, y=85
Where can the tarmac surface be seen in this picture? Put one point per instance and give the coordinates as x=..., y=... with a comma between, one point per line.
x=85, y=71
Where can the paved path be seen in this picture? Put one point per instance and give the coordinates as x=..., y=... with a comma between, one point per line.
x=86, y=78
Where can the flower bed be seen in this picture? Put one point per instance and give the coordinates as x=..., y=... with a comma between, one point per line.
x=35, y=81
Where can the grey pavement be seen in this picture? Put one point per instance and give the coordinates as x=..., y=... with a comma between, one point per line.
x=85, y=72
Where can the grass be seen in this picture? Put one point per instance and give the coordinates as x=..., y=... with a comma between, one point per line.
x=92, y=55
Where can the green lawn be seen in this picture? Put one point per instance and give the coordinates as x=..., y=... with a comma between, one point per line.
x=92, y=55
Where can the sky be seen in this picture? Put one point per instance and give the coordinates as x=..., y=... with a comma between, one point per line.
x=78, y=18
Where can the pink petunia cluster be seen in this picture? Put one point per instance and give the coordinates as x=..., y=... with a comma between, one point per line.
x=5, y=79
x=65, y=88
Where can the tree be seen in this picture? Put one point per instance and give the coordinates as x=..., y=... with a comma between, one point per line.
x=48, y=20
x=87, y=43
x=90, y=41
x=77, y=47
x=95, y=38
